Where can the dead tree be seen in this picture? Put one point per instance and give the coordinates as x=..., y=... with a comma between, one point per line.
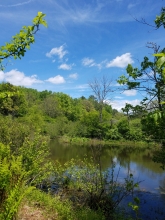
x=101, y=88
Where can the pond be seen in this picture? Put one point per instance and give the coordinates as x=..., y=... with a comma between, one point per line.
x=139, y=163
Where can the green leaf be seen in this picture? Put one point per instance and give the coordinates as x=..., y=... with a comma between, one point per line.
x=40, y=14
x=159, y=54
x=161, y=61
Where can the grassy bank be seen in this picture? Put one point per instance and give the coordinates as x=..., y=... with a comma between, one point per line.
x=112, y=143
x=41, y=206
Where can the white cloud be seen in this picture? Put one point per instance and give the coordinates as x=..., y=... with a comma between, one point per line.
x=65, y=66
x=2, y=76
x=132, y=92
x=16, y=77
x=118, y=104
x=58, y=51
x=88, y=62
x=56, y=80
x=73, y=76
x=120, y=61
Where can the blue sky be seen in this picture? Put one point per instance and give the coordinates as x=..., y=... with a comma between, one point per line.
x=84, y=39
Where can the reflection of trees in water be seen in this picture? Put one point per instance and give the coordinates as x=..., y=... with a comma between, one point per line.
x=143, y=160
x=124, y=160
x=162, y=186
x=138, y=163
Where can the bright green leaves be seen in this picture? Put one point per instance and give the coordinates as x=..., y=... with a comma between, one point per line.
x=128, y=108
x=133, y=74
x=12, y=101
x=161, y=60
x=21, y=41
x=122, y=80
x=161, y=63
x=160, y=20
x=39, y=19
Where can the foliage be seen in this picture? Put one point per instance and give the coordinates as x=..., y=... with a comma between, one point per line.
x=123, y=127
x=139, y=79
x=21, y=41
x=12, y=100
x=92, y=187
x=153, y=125
x=159, y=157
x=53, y=207
x=50, y=106
x=34, y=153
x=13, y=132
x=135, y=206
x=12, y=183
x=160, y=21
x=19, y=169
x=113, y=134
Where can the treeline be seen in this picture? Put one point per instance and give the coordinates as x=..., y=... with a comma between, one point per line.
x=25, y=110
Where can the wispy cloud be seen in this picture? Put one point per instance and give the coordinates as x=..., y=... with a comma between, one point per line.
x=91, y=63
x=65, y=66
x=131, y=5
x=121, y=61
x=89, y=13
x=37, y=61
x=73, y=76
x=132, y=92
x=57, y=51
x=56, y=80
x=18, y=4
x=18, y=78
x=118, y=97
x=84, y=86
x=88, y=62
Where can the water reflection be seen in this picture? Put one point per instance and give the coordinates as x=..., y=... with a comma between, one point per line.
x=138, y=163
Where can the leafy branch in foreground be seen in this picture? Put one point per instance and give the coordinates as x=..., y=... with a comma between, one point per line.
x=21, y=41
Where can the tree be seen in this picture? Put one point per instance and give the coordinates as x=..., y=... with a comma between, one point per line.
x=12, y=100
x=160, y=21
x=50, y=106
x=21, y=41
x=149, y=79
x=128, y=109
x=101, y=89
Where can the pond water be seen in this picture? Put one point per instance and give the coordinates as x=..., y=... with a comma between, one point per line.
x=137, y=162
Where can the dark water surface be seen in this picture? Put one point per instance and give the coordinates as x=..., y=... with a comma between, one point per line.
x=137, y=162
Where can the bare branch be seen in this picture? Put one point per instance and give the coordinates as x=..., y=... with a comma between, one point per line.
x=101, y=88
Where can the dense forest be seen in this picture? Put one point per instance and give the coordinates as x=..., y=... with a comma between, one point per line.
x=58, y=114
x=29, y=119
